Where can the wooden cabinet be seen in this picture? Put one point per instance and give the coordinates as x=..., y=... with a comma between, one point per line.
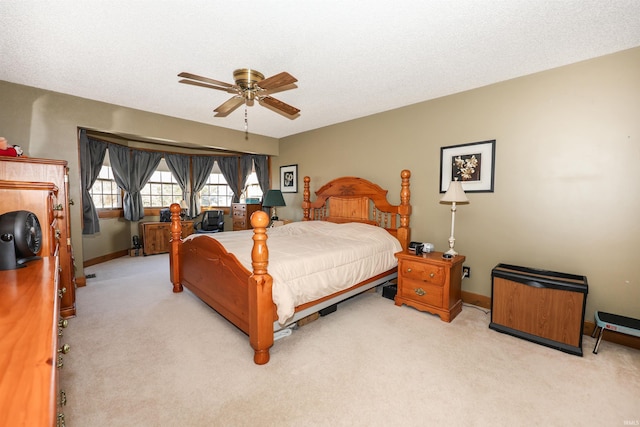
x=156, y=236
x=430, y=283
x=30, y=351
x=241, y=214
x=56, y=223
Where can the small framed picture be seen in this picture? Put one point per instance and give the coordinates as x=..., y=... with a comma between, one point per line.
x=289, y=179
x=472, y=164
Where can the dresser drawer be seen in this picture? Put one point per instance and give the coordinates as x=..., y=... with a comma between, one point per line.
x=240, y=223
x=422, y=292
x=419, y=271
x=240, y=208
x=241, y=215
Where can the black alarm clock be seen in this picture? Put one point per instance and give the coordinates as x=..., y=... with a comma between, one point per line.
x=421, y=248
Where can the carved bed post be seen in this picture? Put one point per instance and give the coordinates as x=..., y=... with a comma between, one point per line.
x=176, y=243
x=404, y=232
x=306, y=199
x=261, y=316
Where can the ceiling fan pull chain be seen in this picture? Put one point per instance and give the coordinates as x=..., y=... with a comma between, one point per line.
x=246, y=123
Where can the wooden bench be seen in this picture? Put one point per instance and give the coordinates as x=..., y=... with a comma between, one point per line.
x=614, y=322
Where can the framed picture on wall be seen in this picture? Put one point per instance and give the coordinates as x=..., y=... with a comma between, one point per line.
x=472, y=164
x=289, y=179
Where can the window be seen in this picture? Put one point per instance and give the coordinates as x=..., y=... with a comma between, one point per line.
x=216, y=192
x=252, y=190
x=161, y=190
x=105, y=192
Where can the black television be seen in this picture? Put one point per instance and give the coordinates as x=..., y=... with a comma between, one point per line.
x=165, y=215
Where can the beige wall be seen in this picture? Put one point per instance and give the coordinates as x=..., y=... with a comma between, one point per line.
x=45, y=124
x=567, y=192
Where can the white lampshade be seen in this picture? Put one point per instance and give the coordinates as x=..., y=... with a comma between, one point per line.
x=455, y=193
x=183, y=204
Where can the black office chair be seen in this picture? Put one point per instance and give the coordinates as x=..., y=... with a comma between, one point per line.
x=209, y=222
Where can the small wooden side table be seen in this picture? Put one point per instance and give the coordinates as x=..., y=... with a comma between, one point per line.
x=431, y=283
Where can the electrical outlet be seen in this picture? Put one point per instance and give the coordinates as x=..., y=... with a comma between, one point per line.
x=466, y=271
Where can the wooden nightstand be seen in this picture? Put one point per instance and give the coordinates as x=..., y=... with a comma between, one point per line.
x=430, y=283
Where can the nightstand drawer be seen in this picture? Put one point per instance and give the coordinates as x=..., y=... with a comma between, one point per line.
x=422, y=292
x=420, y=271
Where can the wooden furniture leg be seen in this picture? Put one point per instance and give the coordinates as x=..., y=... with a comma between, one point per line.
x=176, y=243
x=260, y=299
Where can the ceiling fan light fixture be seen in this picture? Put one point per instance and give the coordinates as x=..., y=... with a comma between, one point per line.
x=246, y=78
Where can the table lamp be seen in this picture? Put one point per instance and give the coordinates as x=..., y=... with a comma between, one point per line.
x=272, y=199
x=455, y=194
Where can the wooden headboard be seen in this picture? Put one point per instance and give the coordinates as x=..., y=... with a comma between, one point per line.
x=351, y=199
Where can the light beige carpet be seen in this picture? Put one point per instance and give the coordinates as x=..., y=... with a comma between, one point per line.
x=143, y=356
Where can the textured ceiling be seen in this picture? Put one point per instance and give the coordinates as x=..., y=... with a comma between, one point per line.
x=352, y=58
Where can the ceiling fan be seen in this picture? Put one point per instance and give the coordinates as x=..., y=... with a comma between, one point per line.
x=250, y=85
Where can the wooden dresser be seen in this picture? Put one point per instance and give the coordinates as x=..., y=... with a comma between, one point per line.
x=44, y=173
x=241, y=214
x=30, y=351
x=430, y=283
x=156, y=236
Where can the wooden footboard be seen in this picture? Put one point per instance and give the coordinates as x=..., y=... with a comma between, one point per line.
x=219, y=279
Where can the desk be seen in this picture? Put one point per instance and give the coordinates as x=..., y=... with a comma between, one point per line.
x=156, y=236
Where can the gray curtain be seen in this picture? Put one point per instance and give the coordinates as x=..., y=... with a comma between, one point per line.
x=131, y=172
x=202, y=166
x=246, y=164
x=229, y=168
x=92, y=154
x=179, y=166
x=261, y=164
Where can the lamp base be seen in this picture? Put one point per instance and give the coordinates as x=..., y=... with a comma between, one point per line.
x=450, y=253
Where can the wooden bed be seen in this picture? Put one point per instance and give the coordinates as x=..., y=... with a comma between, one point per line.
x=244, y=297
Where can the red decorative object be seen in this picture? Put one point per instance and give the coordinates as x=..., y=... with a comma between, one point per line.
x=7, y=150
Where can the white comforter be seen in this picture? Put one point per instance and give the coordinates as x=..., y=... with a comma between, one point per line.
x=312, y=259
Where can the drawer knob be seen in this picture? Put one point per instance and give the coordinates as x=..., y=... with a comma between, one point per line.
x=62, y=292
x=64, y=349
x=408, y=270
x=63, y=323
x=420, y=291
x=432, y=275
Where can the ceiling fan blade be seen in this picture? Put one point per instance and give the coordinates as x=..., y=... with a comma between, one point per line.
x=228, y=106
x=194, y=83
x=281, y=79
x=279, y=105
x=264, y=93
x=205, y=79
